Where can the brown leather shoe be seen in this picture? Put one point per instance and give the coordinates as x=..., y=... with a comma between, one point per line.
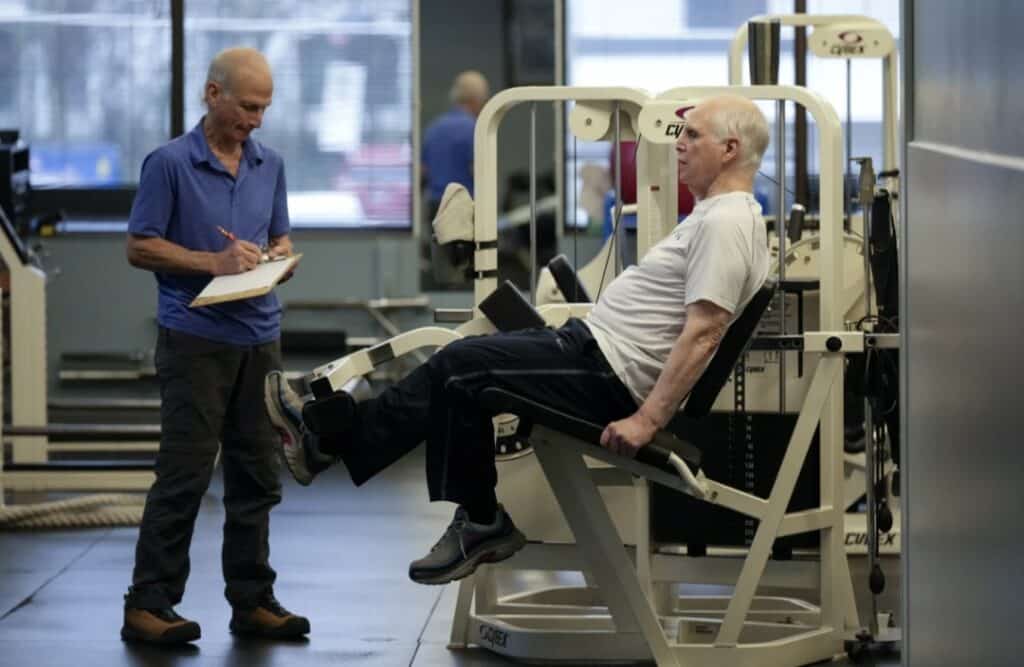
x=269, y=620
x=158, y=626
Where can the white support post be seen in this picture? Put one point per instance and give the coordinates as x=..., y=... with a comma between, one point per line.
x=1, y=399
x=460, y=619
x=642, y=492
x=28, y=353
x=658, y=203
x=829, y=367
x=600, y=546
x=486, y=598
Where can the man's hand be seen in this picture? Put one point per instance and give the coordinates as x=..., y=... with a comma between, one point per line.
x=626, y=436
x=237, y=257
x=281, y=246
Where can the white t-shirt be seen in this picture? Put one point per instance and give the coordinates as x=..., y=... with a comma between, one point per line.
x=719, y=253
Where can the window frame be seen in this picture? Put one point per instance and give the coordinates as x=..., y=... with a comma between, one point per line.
x=100, y=209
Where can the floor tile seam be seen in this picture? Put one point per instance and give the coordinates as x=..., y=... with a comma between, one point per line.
x=28, y=599
x=426, y=624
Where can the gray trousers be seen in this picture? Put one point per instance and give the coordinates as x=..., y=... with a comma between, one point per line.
x=211, y=393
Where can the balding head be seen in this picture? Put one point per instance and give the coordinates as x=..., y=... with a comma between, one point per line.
x=721, y=145
x=238, y=90
x=237, y=66
x=470, y=90
x=739, y=117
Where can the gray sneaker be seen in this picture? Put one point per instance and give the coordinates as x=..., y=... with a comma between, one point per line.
x=465, y=545
x=299, y=446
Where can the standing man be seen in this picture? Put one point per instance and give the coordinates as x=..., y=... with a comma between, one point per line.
x=448, y=141
x=207, y=201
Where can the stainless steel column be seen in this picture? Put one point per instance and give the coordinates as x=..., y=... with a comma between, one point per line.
x=763, y=52
x=780, y=232
x=533, y=203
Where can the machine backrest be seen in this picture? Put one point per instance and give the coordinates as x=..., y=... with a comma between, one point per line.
x=734, y=344
x=568, y=280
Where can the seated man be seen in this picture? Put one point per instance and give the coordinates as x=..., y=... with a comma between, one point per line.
x=631, y=362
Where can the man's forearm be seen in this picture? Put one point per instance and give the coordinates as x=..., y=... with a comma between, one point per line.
x=685, y=364
x=163, y=256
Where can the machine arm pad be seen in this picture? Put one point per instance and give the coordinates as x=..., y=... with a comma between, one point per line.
x=657, y=453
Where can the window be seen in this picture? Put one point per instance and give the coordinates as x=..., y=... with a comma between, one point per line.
x=88, y=86
x=342, y=110
x=608, y=43
x=723, y=13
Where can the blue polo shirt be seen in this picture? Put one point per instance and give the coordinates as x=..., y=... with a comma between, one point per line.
x=184, y=194
x=448, y=151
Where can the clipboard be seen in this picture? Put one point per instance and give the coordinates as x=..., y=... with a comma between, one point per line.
x=254, y=282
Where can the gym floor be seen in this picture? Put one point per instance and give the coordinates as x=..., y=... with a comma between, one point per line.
x=341, y=555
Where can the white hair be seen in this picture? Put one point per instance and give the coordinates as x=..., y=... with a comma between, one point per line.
x=735, y=116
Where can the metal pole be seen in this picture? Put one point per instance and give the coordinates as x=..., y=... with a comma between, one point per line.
x=763, y=51
x=849, y=146
x=177, y=68
x=800, y=180
x=872, y=509
x=780, y=231
x=560, y=114
x=533, y=203
x=866, y=197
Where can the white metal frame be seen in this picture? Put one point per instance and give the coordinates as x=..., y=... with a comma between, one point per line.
x=855, y=477
x=622, y=620
x=28, y=352
x=631, y=625
x=29, y=395
x=890, y=67
x=362, y=362
x=626, y=620
x=595, y=103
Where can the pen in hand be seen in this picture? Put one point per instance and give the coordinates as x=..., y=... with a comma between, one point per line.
x=264, y=249
x=244, y=255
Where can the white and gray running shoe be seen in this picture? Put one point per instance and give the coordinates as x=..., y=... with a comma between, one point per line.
x=299, y=446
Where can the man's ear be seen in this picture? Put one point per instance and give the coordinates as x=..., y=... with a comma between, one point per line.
x=732, y=149
x=213, y=90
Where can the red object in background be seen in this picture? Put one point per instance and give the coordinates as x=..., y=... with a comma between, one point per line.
x=379, y=175
x=628, y=152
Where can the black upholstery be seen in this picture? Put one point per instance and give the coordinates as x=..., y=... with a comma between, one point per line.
x=508, y=310
x=735, y=342
x=567, y=280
